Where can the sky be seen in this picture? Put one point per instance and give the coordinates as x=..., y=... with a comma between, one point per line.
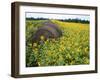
x=57, y=16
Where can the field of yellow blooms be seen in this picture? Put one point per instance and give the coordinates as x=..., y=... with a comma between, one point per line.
x=70, y=49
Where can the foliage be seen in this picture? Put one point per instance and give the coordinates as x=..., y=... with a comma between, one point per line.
x=70, y=49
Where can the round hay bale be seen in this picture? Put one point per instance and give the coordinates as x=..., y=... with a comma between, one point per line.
x=47, y=30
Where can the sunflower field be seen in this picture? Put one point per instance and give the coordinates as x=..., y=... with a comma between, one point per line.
x=72, y=48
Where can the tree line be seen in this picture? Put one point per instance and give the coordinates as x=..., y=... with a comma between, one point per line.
x=63, y=20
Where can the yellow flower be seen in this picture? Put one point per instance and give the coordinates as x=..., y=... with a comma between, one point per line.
x=78, y=50
x=62, y=48
x=34, y=44
x=42, y=37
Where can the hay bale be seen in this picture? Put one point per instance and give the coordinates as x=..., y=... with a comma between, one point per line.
x=53, y=25
x=47, y=30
